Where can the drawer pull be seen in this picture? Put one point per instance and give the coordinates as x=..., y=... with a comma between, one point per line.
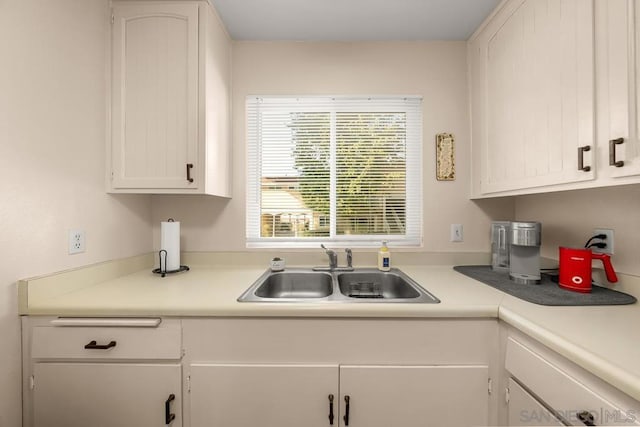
x=93, y=345
x=581, y=166
x=586, y=418
x=189, y=167
x=168, y=416
x=346, y=410
x=331, y=409
x=612, y=153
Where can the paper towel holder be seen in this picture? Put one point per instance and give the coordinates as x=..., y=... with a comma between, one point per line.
x=162, y=270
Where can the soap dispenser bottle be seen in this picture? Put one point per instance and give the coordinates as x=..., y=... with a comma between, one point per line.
x=384, y=258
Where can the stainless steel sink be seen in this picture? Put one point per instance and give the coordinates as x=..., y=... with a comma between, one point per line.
x=366, y=285
x=299, y=284
x=376, y=285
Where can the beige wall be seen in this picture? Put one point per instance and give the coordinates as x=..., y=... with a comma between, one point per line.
x=569, y=217
x=52, y=139
x=434, y=70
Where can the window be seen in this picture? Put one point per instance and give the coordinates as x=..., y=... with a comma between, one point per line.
x=337, y=170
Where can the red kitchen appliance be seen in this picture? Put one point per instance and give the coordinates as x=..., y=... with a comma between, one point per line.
x=575, y=269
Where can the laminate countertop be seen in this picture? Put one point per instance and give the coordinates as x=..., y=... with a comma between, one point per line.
x=605, y=340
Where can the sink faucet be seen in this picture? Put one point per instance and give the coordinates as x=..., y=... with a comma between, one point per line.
x=333, y=261
x=333, y=257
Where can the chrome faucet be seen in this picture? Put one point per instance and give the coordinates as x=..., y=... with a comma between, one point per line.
x=333, y=261
x=333, y=257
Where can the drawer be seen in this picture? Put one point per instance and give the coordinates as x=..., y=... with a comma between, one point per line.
x=525, y=410
x=115, y=339
x=566, y=395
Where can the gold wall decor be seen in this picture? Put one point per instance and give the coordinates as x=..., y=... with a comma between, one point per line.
x=445, y=157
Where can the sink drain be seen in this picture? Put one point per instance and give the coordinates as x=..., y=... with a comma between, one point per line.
x=365, y=290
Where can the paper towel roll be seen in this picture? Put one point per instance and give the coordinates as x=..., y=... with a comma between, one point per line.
x=170, y=242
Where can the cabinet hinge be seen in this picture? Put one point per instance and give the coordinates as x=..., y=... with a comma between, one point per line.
x=32, y=382
x=490, y=386
x=113, y=19
x=188, y=383
x=506, y=395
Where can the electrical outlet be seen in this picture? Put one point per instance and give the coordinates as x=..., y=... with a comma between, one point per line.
x=456, y=233
x=76, y=241
x=609, y=241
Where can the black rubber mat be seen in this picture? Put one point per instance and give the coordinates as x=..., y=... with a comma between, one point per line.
x=547, y=292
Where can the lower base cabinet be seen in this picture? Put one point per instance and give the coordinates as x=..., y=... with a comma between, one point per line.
x=229, y=395
x=245, y=395
x=106, y=394
x=382, y=396
x=102, y=372
x=525, y=410
x=562, y=391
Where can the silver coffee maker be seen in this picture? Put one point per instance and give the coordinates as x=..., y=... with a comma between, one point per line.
x=500, y=238
x=524, y=253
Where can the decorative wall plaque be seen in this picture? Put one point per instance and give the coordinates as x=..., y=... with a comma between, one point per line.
x=445, y=157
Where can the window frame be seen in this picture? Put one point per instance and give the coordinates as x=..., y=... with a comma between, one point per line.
x=410, y=105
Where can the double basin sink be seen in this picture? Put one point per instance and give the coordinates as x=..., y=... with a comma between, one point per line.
x=356, y=286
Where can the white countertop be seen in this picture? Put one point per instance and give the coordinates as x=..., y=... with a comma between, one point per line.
x=213, y=291
x=604, y=340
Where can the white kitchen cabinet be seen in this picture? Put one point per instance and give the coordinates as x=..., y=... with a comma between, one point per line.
x=620, y=20
x=169, y=100
x=238, y=395
x=382, y=396
x=526, y=410
x=106, y=395
x=558, y=384
x=532, y=96
x=281, y=372
x=124, y=372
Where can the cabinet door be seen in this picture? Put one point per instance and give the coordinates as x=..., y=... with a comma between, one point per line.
x=525, y=410
x=533, y=69
x=623, y=85
x=414, y=396
x=226, y=395
x=154, y=96
x=105, y=394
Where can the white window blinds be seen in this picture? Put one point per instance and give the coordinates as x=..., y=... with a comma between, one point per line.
x=338, y=170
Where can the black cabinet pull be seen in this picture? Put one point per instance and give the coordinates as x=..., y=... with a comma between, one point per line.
x=93, y=345
x=612, y=153
x=346, y=410
x=581, y=166
x=189, y=167
x=168, y=416
x=586, y=418
x=331, y=409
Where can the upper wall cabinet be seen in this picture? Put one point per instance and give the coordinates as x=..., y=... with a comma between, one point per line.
x=532, y=96
x=536, y=67
x=621, y=88
x=170, y=95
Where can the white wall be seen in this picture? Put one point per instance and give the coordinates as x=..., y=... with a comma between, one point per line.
x=435, y=70
x=52, y=142
x=569, y=217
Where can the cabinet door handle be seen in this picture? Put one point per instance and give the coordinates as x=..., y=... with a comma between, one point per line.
x=168, y=416
x=346, y=410
x=586, y=418
x=93, y=345
x=331, y=409
x=612, y=153
x=581, y=166
x=189, y=167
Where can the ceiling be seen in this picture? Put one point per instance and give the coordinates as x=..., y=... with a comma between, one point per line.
x=352, y=20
